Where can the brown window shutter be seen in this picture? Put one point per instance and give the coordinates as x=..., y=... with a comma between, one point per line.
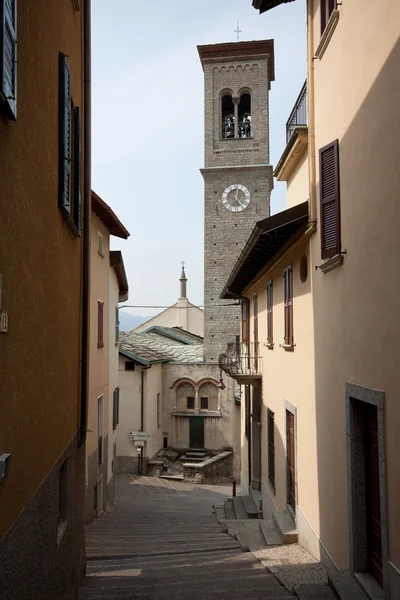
x=271, y=447
x=100, y=320
x=245, y=321
x=270, y=336
x=330, y=200
x=327, y=8
x=288, y=305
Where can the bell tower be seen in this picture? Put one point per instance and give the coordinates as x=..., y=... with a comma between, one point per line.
x=237, y=175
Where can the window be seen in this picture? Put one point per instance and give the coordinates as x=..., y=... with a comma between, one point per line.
x=116, y=324
x=330, y=200
x=327, y=8
x=158, y=411
x=227, y=116
x=270, y=339
x=129, y=365
x=208, y=394
x=70, y=152
x=245, y=321
x=115, y=407
x=185, y=395
x=100, y=430
x=204, y=403
x=271, y=447
x=100, y=244
x=288, y=305
x=244, y=129
x=247, y=410
x=8, y=57
x=100, y=321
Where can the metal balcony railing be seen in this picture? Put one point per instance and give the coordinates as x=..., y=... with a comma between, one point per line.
x=298, y=116
x=242, y=360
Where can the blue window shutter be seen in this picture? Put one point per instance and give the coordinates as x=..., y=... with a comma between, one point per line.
x=77, y=167
x=65, y=135
x=8, y=56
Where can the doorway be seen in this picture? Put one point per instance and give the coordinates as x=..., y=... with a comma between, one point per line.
x=196, y=433
x=256, y=437
x=290, y=462
x=366, y=478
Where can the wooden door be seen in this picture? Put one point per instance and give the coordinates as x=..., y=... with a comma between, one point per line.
x=196, y=432
x=290, y=461
x=373, y=505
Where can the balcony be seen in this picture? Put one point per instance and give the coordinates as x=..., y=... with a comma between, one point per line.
x=242, y=362
x=298, y=116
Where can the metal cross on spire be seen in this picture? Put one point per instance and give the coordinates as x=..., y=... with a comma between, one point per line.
x=183, y=264
x=237, y=31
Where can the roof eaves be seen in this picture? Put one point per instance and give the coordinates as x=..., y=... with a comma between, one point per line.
x=133, y=357
x=117, y=262
x=159, y=329
x=108, y=217
x=264, y=5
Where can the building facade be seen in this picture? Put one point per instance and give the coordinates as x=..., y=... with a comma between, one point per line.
x=108, y=287
x=328, y=455
x=44, y=184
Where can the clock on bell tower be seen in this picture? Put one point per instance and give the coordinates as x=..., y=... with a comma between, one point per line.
x=237, y=175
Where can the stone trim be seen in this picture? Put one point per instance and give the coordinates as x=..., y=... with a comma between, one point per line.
x=327, y=34
x=292, y=409
x=355, y=478
x=331, y=263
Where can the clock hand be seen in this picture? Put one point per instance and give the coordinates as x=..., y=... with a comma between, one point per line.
x=241, y=203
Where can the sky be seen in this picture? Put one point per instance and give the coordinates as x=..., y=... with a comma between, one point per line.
x=147, y=128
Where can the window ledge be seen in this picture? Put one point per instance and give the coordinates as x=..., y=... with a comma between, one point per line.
x=327, y=34
x=100, y=345
x=69, y=224
x=331, y=263
x=269, y=345
x=287, y=347
x=221, y=139
x=191, y=413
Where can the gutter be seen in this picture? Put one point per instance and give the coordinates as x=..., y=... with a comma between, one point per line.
x=87, y=109
x=311, y=113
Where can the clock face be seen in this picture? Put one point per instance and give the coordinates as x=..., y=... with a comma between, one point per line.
x=236, y=197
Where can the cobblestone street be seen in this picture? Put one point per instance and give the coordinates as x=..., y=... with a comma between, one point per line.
x=162, y=541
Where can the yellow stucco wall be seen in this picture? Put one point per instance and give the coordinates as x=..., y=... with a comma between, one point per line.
x=357, y=95
x=297, y=185
x=39, y=260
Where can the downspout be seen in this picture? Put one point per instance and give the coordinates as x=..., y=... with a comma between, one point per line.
x=86, y=217
x=142, y=413
x=311, y=113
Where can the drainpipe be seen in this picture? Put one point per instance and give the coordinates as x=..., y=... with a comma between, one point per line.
x=86, y=217
x=311, y=113
x=140, y=469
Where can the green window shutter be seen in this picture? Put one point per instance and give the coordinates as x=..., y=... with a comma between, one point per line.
x=8, y=56
x=65, y=135
x=77, y=167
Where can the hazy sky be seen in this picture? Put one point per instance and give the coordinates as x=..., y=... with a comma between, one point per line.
x=148, y=125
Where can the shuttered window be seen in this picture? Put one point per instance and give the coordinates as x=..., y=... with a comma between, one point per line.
x=288, y=305
x=327, y=8
x=8, y=56
x=330, y=200
x=271, y=447
x=247, y=410
x=270, y=337
x=65, y=157
x=100, y=321
x=115, y=407
x=245, y=321
x=77, y=161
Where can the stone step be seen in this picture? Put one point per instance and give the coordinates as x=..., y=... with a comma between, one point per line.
x=315, y=591
x=251, y=540
x=346, y=587
x=239, y=507
x=251, y=507
x=196, y=453
x=229, y=509
x=271, y=535
x=192, y=459
x=172, y=477
x=286, y=527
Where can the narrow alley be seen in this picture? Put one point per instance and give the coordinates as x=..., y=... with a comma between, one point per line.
x=162, y=541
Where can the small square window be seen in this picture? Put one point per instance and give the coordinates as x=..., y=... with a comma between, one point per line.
x=204, y=403
x=190, y=402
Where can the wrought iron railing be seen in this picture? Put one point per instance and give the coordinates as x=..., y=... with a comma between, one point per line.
x=298, y=116
x=242, y=360
x=244, y=127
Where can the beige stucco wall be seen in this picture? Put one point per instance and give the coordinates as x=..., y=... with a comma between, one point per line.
x=192, y=319
x=129, y=407
x=113, y=367
x=357, y=95
x=296, y=389
x=297, y=184
x=153, y=386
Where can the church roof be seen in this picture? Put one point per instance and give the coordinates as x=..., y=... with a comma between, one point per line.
x=176, y=333
x=154, y=347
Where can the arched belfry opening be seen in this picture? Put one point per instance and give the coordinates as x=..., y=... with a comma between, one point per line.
x=244, y=114
x=227, y=116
